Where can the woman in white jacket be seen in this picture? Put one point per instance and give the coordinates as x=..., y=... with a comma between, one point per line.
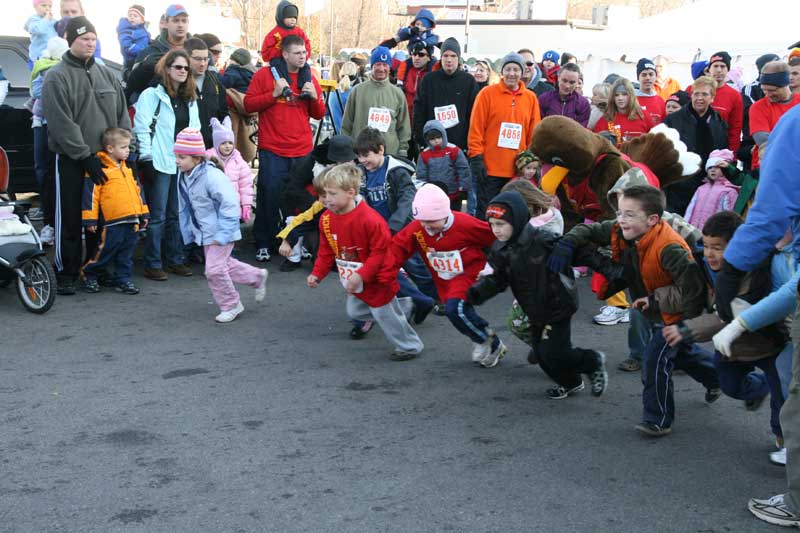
x=162, y=112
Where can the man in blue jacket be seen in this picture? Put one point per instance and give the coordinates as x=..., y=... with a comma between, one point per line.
x=777, y=206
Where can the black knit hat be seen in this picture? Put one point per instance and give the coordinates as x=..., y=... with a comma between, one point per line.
x=242, y=56
x=451, y=44
x=680, y=97
x=644, y=64
x=78, y=26
x=725, y=57
x=340, y=149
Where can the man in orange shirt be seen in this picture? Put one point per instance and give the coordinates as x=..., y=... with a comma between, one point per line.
x=665, y=86
x=778, y=99
x=502, y=124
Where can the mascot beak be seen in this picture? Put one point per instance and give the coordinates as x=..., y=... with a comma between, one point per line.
x=552, y=177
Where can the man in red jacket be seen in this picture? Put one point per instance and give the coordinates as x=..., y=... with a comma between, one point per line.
x=284, y=136
x=728, y=101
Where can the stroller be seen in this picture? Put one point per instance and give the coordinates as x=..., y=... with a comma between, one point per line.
x=22, y=260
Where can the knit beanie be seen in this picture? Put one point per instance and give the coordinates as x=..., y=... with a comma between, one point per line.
x=725, y=57
x=190, y=142
x=697, y=68
x=766, y=58
x=680, y=97
x=242, y=56
x=719, y=156
x=515, y=58
x=209, y=38
x=138, y=8
x=451, y=45
x=290, y=12
x=78, y=26
x=644, y=64
x=381, y=54
x=56, y=46
x=551, y=55
x=501, y=211
x=61, y=27
x=221, y=132
x=430, y=203
x=524, y=159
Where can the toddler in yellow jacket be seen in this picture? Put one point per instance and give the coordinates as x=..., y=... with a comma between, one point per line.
x=118, y=208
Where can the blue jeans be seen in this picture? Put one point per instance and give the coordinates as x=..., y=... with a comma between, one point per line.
x=784, y=365
x=659, y=360
x=639, y=333
x=162, y=200
x=116, y=247
x=272, y=171
x=741, y=380
x=408, y=289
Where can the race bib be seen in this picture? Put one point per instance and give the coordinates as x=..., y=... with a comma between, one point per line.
x=510, y=135
x=446, y=264
x=379, y=118
x=447, y=115
x=346, y=270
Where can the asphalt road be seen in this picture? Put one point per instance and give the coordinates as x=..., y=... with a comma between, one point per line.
x=139, y=413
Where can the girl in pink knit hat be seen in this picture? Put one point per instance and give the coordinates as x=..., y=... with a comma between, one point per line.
x=717, y=193
x=451, y=244
x=208, y=211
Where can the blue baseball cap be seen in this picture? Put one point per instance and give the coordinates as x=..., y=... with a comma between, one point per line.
x=176, y=9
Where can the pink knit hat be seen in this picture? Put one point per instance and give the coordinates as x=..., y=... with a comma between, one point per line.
x=190, y=142
x=430, y=203
x=719, y=156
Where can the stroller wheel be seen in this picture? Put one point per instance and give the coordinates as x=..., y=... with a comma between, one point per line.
x=39, y=293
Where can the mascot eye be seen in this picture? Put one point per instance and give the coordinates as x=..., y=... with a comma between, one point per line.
x=557, y=161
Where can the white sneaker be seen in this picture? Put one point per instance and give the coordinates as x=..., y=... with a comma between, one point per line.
x=481, y=351
x=261, y=290
x=229, y=316
x=262, y=255
x=775, y=511
x=47, y=235
x=491, y=360
x=610, y=315
x=778, y=458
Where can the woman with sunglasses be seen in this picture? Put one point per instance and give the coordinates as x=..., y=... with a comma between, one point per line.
x=161, y=112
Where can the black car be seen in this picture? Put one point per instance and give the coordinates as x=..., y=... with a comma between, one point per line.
x=16, y=133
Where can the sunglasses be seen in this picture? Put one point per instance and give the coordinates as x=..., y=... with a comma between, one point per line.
x=420, y=54
x=180, y=67
x=530, y=63
x=215, y=52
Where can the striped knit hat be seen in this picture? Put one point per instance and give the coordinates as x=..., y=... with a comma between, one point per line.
x=190, y=142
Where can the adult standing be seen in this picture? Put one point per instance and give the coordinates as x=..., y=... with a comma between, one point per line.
x=74, y=8
x=336, y=102
x=215, y=50
x=567, y=101
x=532, y=75
x=447, y=95
x=173, y=37
x=650, y=101
x=284, y=135
x=702, y=130
x=161, y=113
x=751, y=93
x=665, y=86
x=484, y=73
x=376, y=103
x=81, y=99
x=411, y=72
x=794, y=74
x=502, y=124
x=211, y=96
x=765, y=113
x=776, y=207
x=727, y=100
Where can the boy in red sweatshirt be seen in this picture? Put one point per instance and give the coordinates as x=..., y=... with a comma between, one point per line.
x=451, y=244
x=286, y=15
x=357, y=239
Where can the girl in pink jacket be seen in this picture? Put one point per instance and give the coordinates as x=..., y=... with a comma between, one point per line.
x=716, y=194
x=236, y=168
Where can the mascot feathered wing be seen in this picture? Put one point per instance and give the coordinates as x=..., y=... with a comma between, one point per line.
x=578, y=155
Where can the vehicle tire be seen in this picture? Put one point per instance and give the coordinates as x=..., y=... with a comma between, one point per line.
x=40, y=294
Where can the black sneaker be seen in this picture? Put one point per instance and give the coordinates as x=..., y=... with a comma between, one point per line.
x=559, y=392
x=533, y=357
x=599, y=377
x=438, y=309
x=753, y=405
x=421, y=312
x=359, y=332
x=289, y=266
x=127, y=288
x=402, y=355
x=66, y=288
x=652, y=430
x=91, y=286
x=712, y=395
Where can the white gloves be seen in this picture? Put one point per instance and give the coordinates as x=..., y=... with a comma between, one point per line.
x=724, y=339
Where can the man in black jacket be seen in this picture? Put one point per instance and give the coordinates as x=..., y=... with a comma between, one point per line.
x=172, y=37
x=702, y=130
x=446, y=95
x=211, y=100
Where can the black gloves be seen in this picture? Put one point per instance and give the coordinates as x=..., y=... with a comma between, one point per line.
x=147, y=172
x=389, y=43
x=94, y=168
x=477, y=168
x=726, y=288
x=561, y=257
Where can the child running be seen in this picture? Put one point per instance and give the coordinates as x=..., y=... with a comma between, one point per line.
x=208, y=210
x=451, y=244
x=549, y=299
x=355, y=238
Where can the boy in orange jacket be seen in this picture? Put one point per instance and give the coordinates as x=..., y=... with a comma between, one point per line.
x=121, y=207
